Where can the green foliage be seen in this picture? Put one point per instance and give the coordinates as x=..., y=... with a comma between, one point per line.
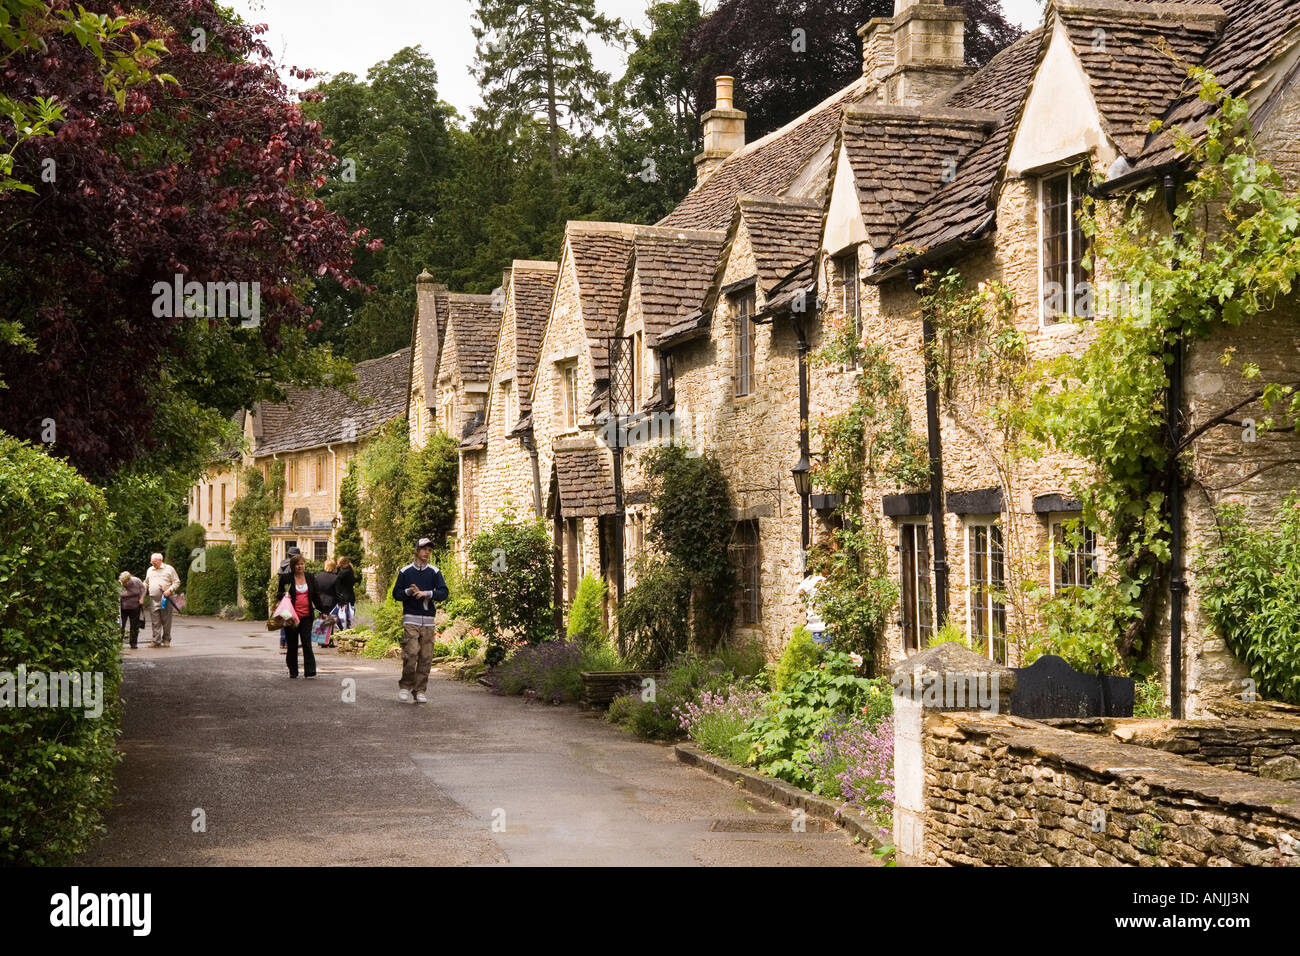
x=182, y=545
x=587, y=613
x=510, y=584
x=466, y=647
x=800, y=654
x=1252, y=594
x=147, y=509
x=207, y=592
x=687, y=596
x=858, y=593
x=780, y=739
x=430, y=500
x=653, y=616
x=58, y=613
x=656, y=718
x=347, y=542
x=949, y=633
x=250, y=520
x=1149, y=700
x=1083, y=626
x=382, y=471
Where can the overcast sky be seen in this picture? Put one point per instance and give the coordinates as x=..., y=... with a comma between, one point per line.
x=344, y=36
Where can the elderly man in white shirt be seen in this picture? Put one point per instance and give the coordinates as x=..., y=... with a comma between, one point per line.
x=160, y=581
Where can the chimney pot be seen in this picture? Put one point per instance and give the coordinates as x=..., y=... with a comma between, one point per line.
x=726, y=86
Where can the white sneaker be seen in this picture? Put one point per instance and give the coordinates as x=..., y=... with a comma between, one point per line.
x=421, y=699
x=403, y=694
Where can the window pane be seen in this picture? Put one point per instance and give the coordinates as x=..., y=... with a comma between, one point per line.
x=924, y=603
x=908, y=564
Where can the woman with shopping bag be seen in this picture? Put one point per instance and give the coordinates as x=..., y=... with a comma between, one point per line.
x=304, y=600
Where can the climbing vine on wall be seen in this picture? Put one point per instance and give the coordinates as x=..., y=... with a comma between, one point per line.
x=1233, y=252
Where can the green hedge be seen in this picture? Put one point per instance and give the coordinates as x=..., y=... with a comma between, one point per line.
x=58, y=613
x=207, y=592
x=179, y=552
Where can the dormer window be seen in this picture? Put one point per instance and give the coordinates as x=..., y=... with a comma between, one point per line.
x=1065, y=291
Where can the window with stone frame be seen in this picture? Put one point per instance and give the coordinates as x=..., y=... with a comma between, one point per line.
x=916, y=598
x=320, y=551
x=449, y=416
x=211, y=492
x=986, y=610
x=1064, y=289
x=848, y=288
x=638, y=369
x=1074, y=553
x=291, y=476
x=223, y=502
x=289, y=545
x=745, y=558
x=742, y=311
x=573, y=555
x=322, y=465
x=568, y=382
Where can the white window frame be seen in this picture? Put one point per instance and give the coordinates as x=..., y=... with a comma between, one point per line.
x=919, y=573
x=1066, y=316
x=1058, y=521
x=968, y=526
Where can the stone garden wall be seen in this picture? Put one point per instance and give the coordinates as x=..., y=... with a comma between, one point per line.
x=1005, y=791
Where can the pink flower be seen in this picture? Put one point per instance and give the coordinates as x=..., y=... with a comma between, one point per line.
x=856, y=659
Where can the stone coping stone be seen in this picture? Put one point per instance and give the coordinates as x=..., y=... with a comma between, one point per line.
x=778, y=791
x=1143, y=766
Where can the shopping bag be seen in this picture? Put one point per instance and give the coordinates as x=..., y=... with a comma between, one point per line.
x=178, y=602
x=321, y=630
x=284, y=612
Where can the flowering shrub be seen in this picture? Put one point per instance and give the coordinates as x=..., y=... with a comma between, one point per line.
x=853, y=760
x=549, y=671
x=718, y=722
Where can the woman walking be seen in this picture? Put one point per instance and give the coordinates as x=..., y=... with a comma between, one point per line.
x=345, y=592
x=302, y=591
x=131, y=597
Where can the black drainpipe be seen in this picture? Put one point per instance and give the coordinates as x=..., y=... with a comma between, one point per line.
x=1174, y=416
x=526, y=439
x=805, y=523
x=934, y=440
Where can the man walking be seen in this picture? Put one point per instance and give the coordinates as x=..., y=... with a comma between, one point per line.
x=419, y=586
x=161, y=581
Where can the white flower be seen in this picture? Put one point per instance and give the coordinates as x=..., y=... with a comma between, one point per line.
x=856, y=659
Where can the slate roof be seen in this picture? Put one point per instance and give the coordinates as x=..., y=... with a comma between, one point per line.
x=533, y=288
x=690, y=326
x=315, y=417
x=584, y=480
x=674, y=268
x=474, y=325
x=600, y=254
x=769, y=166
x=962, y=207
x=783, y=233
x=1135, y=56
x=1255, y=32
x=900, y=155
x=476, y=438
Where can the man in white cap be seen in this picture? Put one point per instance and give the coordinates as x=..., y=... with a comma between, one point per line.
x=161, y=581
x=419, y=586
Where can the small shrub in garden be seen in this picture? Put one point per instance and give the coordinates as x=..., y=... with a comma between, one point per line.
x=587, y=613
x=853, y=760
x=799, y=655
x=180, y=547
x=718, y=721
x=510, y=584
x=216, y=586
x=467, y=646
x=949, y=633
x=793, y=718
x=622, y=707
x=549, y=671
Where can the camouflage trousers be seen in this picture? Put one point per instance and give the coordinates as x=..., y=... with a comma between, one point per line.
x=417, y=655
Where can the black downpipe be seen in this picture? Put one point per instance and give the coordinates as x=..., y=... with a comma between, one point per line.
x=805, y=523
x=934, y=440
x=530, y=446
x=1174, y=416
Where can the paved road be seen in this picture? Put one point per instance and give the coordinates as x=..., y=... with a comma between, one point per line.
x=286, y=772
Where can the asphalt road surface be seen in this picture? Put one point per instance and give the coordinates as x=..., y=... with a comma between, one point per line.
x=228, y=762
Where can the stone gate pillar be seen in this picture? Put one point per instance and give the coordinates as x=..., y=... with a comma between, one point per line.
x=948, y=677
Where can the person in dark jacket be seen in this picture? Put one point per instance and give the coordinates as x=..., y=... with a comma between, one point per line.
x=419, y=586
x=302, y=591
x=345, y=590
x=326, y=582
x=285, y=573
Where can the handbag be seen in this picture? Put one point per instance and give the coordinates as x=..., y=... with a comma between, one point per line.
x=321, y=630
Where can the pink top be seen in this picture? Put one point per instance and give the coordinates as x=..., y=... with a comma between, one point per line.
x=301, y=600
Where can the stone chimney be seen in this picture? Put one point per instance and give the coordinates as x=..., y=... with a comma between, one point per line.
x=428, y=344
x=918, y=54
x=724, y=131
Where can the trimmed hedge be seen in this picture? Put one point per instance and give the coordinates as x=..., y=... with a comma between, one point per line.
x=58, y=614
x=209, y=591
x=179, y=552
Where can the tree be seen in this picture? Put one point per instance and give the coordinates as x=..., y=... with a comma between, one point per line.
x=510, y=583
x=250, y=520
x=432, y=474
x=347, y=543
x=532, y=60
x=211, y=178
x=381, y=469
x=391, y=135
x=789, y=55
